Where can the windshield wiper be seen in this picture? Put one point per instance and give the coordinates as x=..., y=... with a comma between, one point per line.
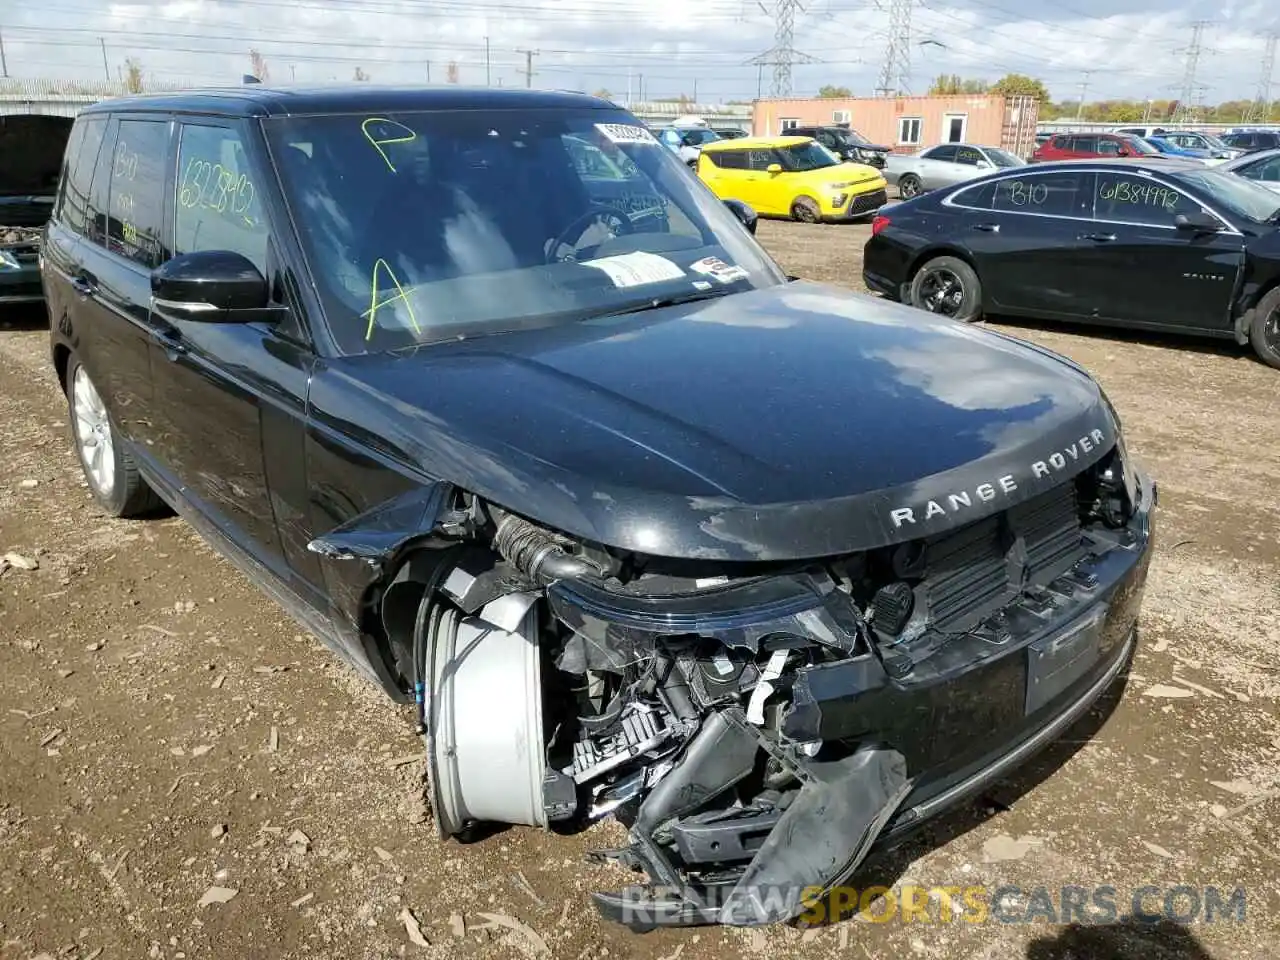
x=655, y=303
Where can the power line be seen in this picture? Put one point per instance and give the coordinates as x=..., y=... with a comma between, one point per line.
x=895, y=74
x=783, y=54
x=1192, y=92
x=528, y=66
x=1260, y=109
x=1084, y=88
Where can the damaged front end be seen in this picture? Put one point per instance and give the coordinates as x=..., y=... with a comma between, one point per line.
x=761, y=727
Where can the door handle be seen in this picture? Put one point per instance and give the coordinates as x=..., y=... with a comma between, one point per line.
x=987, y=227
x=170, y=342
x=1098, y=237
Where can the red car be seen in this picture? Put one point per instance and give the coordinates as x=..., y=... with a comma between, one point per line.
x=1090, y=146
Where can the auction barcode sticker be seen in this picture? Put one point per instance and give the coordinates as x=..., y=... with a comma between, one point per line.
x=636, y=269
x=626, y=133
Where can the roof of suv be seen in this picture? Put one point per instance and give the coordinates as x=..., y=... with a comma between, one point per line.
x=260, y=101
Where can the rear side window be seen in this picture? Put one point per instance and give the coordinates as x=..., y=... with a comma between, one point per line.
x=135, y=225
x=1063, y=194
x=728, y=159
x=979, y=197
x=218, y=206
x=1131, y=198
x=78, y=182
x=1084, y=144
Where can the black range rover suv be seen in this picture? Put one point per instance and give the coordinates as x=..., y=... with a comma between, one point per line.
x=772, y=571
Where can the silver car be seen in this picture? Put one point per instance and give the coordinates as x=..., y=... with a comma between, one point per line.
x=943, y=166
x=1263, y=168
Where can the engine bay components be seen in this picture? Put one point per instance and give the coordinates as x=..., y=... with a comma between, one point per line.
x=760, y=732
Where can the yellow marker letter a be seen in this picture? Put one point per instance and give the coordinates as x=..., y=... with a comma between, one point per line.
x=375, y=304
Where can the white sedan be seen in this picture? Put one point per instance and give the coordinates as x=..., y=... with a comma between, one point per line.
x=943, y=166
x=1262, y=167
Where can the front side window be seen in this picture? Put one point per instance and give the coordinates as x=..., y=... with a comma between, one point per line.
x=1132, y=198
x=803, y=157
x=1139, y=146
x=217, y=197
x=1063, y=194
x=908, y=130
x=762, y=160
x=135, y=200
x=1083, y=145
x=1003, y=158
x=1267, y=171
x=424, y=226
x=1108, y=148
x=969, y=156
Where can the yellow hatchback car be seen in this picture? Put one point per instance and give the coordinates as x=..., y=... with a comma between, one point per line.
x=793, y=177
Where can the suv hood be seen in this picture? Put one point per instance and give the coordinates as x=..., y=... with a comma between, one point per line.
x=32, y=149
x=792, y=422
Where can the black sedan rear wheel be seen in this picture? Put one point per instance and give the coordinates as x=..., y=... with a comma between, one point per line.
x=1264, y=332
x=909, y=186
x=948, y=286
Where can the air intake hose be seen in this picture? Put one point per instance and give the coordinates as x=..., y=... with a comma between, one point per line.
x=538, y=553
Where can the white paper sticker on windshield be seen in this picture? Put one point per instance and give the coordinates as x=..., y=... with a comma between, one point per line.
x=626, y=133
x=719, y=270
x=636, y=269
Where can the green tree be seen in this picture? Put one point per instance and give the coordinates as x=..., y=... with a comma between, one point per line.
x=133, y=80
x=953, y=85
x=1018, y=85
x=829, y=92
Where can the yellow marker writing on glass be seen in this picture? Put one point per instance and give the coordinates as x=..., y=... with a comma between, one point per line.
x=379, y=142
x=375, y=304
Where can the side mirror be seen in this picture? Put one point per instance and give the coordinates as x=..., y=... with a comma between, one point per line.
x=1123, y=152
x=983, y=165
x=216, y=286
x=773, y=169
x=1198, y=221
x=746, y=216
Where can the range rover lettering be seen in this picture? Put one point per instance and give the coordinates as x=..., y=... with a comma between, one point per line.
x=592, y=485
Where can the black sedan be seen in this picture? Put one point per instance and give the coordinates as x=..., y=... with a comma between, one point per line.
x=1159, y=246
x=639, y=525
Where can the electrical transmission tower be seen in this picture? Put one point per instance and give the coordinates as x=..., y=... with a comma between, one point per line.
x=895, y=74
x=1191, y=90
x=1260, y=110
x=783, y=54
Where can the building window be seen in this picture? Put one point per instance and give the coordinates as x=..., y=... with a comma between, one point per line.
x=909, y=130
x=840, y=116
x=787, y=123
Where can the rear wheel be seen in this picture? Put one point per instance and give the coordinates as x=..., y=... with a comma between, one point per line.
x=909, y=186
x=1264, y=331
x=108, y=467
x=949, y=287
x=805, y=209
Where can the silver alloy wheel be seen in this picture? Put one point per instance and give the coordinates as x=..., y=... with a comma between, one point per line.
x=93, y=433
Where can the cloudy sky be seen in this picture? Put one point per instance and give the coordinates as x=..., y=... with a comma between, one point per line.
x=661, y=47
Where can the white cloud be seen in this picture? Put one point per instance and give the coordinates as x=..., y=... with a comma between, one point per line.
x=667, y=46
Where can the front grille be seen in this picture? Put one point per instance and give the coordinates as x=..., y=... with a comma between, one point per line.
x=972, y=572
x=868, y=202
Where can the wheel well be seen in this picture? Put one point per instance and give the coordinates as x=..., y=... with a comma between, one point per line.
x=932, y=254
x=61, y=359
x=1245, y=319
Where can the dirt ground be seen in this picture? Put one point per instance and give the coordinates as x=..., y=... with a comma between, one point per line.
x=168, y=736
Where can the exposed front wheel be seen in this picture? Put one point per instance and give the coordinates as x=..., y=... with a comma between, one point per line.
x=109, y=469
x=805, y=209
x=948, y=286
x=909, y=186
x=1264, y=331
